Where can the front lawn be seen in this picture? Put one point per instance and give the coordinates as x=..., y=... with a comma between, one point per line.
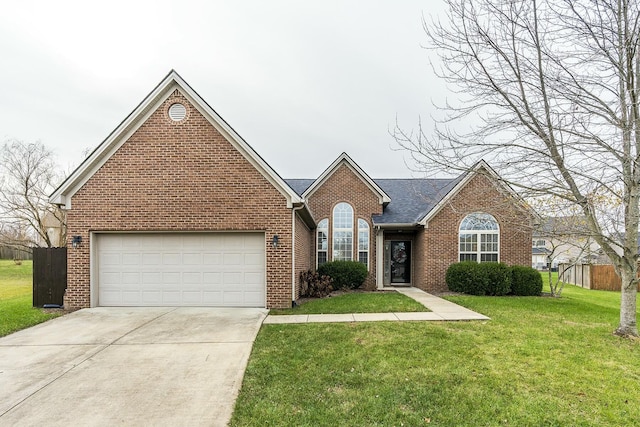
x=539, y=361
x=16, y=311
x=357, y=302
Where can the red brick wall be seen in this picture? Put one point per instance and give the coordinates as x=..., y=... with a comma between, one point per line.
x=345, y=186
x=303, y=251
x=179, y=176
x=437, y=246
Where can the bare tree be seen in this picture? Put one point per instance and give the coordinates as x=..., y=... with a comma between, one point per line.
x=28, y=175
x=548, y=90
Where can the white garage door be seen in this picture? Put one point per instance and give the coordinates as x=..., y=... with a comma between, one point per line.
x=181, y=269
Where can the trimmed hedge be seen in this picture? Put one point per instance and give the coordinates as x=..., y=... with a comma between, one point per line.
x=497, y=278
x=345, y=274
x=525, y=281
x=464, y=277
x=493, y=278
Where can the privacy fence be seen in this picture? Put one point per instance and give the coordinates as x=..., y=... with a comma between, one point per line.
x=8, y=252
x=49, y=276
x=591, y=276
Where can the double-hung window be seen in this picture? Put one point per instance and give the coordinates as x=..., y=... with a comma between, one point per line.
x=323, y=241
x=363, y=242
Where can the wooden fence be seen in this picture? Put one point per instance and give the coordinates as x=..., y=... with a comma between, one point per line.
x=600, y=277
x=49, y=276
x=8, y=252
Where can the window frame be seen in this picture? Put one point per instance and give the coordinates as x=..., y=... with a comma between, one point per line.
x=481, y=238
x=363, y=227
x=342, y=232
x=322, y=227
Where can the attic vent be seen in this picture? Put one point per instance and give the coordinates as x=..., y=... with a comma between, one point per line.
x=177, y=112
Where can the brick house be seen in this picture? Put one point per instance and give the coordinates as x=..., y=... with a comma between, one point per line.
x=175, y=208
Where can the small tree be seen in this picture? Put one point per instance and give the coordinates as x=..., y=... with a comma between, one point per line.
x=551, y=89
x=28, y=174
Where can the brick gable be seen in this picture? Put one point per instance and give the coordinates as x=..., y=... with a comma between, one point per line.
x=343, y=185
x=180, y=176
x=438, y=243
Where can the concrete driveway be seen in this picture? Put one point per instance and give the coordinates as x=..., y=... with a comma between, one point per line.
x=127, y=366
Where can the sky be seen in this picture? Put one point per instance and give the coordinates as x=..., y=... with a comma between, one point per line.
x=300, y=81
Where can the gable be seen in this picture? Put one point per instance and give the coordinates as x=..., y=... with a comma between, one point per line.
x=344, y=161
x=156, y=103
x=175, y=168
x=343, y=185
x=482, y=187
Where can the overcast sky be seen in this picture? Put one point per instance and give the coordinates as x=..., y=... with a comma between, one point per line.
x=300, y=81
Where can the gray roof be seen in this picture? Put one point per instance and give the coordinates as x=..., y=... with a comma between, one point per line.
x=540, y=251
x=562, y=226
x=411, y=198
x=299, y=185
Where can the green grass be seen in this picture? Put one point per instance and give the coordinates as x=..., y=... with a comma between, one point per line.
x=357, y=302
x=16, y=311
x=540, y=361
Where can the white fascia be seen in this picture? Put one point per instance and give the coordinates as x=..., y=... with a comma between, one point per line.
x=62, y=195
x=383, y=198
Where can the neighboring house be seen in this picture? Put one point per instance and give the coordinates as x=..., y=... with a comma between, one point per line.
x=563, y=240
x=55, y=229
x=540, y=256
x=175, y=208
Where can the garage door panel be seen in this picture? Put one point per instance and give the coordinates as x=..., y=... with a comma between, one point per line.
x=151, y=259
x=192, y=242
x=151, y=278
x=171, y=258
x=193, y=278
x=212, y=298
x=212, y=258
x=130, y=258
x=212, y=279
x=173, y=269
x=151, y=297
x=171, y=279
x=192, y=258
x=130, y=278
x=253, y=297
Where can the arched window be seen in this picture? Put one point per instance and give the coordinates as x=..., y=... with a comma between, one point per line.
x=323, y=241
x=363, y=242
x=479, y=238
x=342, y=232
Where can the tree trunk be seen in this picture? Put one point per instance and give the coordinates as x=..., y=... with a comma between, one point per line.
x=629, y=290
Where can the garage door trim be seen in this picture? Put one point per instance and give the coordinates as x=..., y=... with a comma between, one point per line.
x=94, y=243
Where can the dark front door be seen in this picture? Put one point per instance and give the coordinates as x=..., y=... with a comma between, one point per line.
x=400, y=262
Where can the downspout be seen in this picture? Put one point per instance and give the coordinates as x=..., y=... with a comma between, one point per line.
x=293, y=253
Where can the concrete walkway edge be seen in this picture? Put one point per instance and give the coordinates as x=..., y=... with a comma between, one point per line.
x=441, y=310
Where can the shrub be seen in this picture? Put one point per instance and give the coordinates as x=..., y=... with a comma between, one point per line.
x=525, y=281
x=464, y=277
x=345, y=274
x=314, y=285
x=487, y=278
x=497, y=277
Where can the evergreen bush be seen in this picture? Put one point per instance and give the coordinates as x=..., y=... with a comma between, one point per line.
x=344, y=274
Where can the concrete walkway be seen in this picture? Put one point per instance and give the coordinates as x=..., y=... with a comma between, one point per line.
x=440, y=310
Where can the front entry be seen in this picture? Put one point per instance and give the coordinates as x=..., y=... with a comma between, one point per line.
x=397, y=262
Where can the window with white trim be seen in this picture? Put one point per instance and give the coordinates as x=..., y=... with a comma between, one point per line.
x=342, y=241
x=479, y=238
x=363, y=242
x=322, y=246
